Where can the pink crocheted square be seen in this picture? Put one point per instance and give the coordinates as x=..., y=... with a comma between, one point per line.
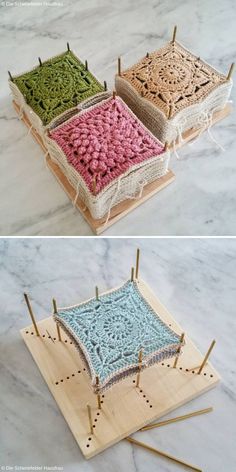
x=105, y=141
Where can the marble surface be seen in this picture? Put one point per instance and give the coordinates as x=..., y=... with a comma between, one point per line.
x=202, y=200
x=195, y=279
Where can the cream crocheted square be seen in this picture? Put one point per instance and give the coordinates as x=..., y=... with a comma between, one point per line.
x=172, y=89
x=110, y=331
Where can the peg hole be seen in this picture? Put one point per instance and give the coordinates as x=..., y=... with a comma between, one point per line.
x=27, y=332
x=211, y=375
x=79, y=371
x=150, y=406
x=181, y=368
x=43, y=335
x=72, y=375
x=98, y=413
x=57, y=383
x=61, y=380
x=67, y=378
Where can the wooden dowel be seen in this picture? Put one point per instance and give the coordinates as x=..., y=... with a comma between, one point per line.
x=165, y=146
x=230, y=71
x=98, y=395
x=94, y=185
x=31, y=314
x=170, y=112
x=90, y=419
x=119, y=66
x=105, y=86
x=140, y=358
x=86, y=65
x=137, y=263
x=178, y=351
x=9, y=73
x=57, y=324
x=68, y=46
x=147, y=55
x=206, y=356
x=50, y=337
x=40, y=62
x=96, y=292
x=174, y=34
x=163, y=454
x=132, y=274
x=114, y=94
x=176, y=419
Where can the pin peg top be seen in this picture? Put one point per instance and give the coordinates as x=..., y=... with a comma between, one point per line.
x=174, y=34
x=40, y=62
x=68, y=47
x=105, y=86
x=231, y=69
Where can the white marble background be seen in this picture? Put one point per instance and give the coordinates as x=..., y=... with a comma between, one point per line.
x=202, y=200
x=195, y=279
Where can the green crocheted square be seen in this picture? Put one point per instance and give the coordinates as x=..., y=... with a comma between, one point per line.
x=59, y=84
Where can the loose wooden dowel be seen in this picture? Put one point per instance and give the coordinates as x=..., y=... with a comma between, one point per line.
x=140, y=358
x=31, y=314
x=86, y=65
x=90, y=419
x=137, y=263
x=68, y=46
x=174, y=34
x=98, y=395
x=119, y=66
x=132, y=274
x=105, y=86
x=176, y=419
x=40, y=62
x=178, y=351
x=96, y=292
x=57, y=325
x=163, y=454
x=230, y=71
x=206, y=356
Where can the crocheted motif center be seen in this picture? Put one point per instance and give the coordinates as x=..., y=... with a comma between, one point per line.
x=104, y=142
x=172, y=78
x=115, y=327
x=59, y=84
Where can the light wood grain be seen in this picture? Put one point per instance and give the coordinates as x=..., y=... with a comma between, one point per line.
x=125, y=408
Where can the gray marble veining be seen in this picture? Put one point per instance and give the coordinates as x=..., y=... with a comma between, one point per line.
x=195, y=279
x=202, y=200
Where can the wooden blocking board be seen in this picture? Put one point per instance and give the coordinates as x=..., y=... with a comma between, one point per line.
x=118, y=211
x=125, y=408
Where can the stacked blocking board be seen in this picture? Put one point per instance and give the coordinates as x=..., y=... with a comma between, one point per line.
x=116, y=362
x=111, y=152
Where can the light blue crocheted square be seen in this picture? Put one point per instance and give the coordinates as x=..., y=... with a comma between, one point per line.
x=110, y=332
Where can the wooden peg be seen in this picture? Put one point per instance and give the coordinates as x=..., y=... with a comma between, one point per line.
x=174, y=34
x=68, y=47
x=165, y=146
x=147, y=55
x=86, y=65
x=90, y=419
x=94, y=185
x=57, y=324
x=105, y=86
x=176, y=419
x=114, y=94
x=206, y=356
x=50, y=337
x=230, y=71
x=137, y=263
x=96, y=292
x=170, y=112
x=9, y=73
x=40, y=62
x=178, y=351
x=132, y=274
x=140, y=358
x=98, y=394
x=163, y=454
x=31, y=314
x=119, y=66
